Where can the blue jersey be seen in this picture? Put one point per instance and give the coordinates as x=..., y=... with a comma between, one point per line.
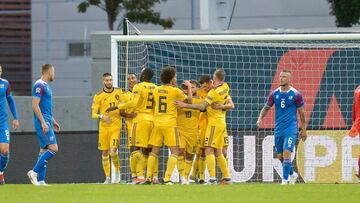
x=286, y=105
x=43, y=91
x=6, y=97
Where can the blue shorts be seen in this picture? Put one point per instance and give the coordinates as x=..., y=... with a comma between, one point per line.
x=45, y=139
x=285, y=140
x=5, y=136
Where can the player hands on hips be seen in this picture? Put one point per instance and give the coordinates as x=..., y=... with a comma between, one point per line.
x=44, y=123
x=109, y=125
x=5, y=97
x=288, y=101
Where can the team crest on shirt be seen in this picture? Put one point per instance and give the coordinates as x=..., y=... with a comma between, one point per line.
x=277, y=96
x=291, y=97
x=38, y=90
x=117, y=97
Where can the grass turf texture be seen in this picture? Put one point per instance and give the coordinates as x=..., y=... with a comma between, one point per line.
x=177, y=193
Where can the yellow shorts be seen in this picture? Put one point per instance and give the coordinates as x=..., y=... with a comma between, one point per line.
x=109, y=138
x=188, y=141
x=140, y=133
x=164, y=134
x=215, y=136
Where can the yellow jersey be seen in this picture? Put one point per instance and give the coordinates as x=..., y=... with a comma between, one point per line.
x=128, y=95
x=142, y=101
x=188, y=119
x=102, y=101
x=220, y=95
x=165, y=109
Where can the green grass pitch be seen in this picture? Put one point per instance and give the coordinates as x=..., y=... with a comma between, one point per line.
x=248, y=192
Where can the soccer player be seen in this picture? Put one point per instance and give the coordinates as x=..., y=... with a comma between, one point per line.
x=109, y=126
x=44, y=123
x=143, y=104
x=165, y=125
x=5, y=96
x=355, y=129
x=216, y=103
x=200, y=164
x=188, y=125
x=288, y=101
x=129, y=114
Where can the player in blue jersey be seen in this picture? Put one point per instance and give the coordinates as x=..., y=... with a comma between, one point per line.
x=44, y=123
x=288, y=101
x=5, y=96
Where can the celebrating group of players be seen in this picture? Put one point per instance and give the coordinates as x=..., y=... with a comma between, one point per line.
x=186, y=120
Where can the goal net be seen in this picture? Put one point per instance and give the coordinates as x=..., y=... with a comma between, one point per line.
x=325, y=69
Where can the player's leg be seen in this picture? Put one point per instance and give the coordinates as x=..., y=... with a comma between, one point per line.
x=132, y=148
x=181, y=158
x=202, y=165
x=113, y=152
x=156, y=141
x=4, y=153
x=4, y=159
x=358, y=169
x=195, y=170
x=49, y=147
x=143, y=132
x=133, y=160
x=210, y=152
x=172, y=140
x=42, y=172
x=135, y=156
x=288, y=148
x=189, y=157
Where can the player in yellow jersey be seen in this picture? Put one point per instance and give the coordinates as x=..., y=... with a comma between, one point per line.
x=187, y=123
x=143, y=104
x=216, y=103
x=200, y=163
x=129, y=114
x=109, y=126
x=165, y=130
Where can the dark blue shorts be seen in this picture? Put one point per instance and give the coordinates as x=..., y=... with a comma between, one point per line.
x=5, y=136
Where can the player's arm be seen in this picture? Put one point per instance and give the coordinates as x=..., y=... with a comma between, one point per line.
x=56, y=125
x=265, y=109
x=189, y=95
x=228, y=105
x=12, y=106
x=95, y=111
x=131, y=103
x=127, y=115
x=303, y=133
x=202, y=106
x=36, y=108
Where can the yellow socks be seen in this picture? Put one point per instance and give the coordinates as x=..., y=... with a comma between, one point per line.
x=222, y=163
x=187, y=169
x=115, y=160
x=210, y=161
x=181, y=165
x=150, y=166
x=202, y=168
x=106, y=165
x=171, y=163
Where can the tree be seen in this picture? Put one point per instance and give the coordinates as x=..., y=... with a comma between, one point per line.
x=347, y=12
x=138, y=11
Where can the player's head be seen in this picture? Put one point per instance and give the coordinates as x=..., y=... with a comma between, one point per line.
x=219, y=77
x=206, y=83
x=168, y=75
x=108, y=80
x=48, y=72
x=146, y=75
x=132, y=80
x=285, y=77
x=194, y=87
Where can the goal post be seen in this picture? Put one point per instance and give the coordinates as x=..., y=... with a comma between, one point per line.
x=325, y=69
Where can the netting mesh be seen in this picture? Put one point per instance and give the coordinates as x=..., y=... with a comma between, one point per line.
x=325, y=72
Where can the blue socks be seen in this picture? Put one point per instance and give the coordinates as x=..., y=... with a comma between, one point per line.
x=4, y=159
x=43, y=160
x=42, y=172
x=287, y=169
